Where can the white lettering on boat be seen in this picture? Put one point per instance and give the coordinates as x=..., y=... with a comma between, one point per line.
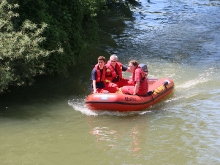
x=104, y=97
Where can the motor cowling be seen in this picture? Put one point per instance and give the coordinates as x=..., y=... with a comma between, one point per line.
x=144, y=67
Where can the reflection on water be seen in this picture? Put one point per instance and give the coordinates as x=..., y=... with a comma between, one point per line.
x=121, y=137
x=110, y=138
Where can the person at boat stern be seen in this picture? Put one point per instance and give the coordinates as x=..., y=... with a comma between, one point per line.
x=138, y=78
x=114, y=71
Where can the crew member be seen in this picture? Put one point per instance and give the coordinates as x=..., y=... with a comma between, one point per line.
x=98, y=75
x=114, y=73
x=138, y=78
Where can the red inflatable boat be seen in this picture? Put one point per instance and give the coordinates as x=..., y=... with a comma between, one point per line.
x=157, y=89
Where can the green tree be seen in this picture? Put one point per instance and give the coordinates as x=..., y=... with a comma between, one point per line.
x=72, y=24
x=21, y=57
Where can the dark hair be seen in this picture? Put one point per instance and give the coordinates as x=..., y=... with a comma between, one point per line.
x=102, y=58
x=134, y=62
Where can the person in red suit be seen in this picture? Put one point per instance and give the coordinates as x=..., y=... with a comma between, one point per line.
x=113, y=75
x=139, y=80
x=98, y=75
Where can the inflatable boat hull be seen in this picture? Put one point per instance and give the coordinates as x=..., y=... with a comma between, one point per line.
x=158, y=89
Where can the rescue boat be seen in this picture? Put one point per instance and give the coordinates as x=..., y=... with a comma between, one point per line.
x=157, y=90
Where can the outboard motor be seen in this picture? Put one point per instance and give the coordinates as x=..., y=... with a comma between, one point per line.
x=144, y=68
x=166, y=82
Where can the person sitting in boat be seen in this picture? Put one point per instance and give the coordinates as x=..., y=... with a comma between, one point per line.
x=98, y=78
x=138, y=78
x=114, y=71
x=98, y=75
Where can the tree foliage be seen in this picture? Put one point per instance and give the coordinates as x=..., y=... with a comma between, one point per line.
x=30, y=31
x=21, y=57
x=71, y=24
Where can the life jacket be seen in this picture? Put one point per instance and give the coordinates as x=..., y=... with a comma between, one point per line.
x=143, y=74
x=98, y=77
x=111, y=73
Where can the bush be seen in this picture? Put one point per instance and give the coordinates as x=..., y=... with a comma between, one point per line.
x=21, y=57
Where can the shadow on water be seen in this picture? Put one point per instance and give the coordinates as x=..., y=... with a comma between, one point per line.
x=113, y=25
x=29, y=101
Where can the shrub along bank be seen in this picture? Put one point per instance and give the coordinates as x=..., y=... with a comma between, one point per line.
x=44, y=37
